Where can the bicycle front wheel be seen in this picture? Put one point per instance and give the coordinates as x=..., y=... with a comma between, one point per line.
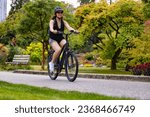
x=71, y=67
x=53, y=75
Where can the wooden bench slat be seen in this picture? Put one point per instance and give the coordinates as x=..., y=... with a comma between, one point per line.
x=20, y=60
x=21, y=55
x=16, y=63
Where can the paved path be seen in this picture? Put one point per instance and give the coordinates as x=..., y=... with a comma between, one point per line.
x=134, y=89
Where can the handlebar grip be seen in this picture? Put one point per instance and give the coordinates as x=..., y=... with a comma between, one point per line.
x=74, y=31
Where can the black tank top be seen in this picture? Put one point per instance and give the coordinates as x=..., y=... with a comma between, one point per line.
x=57, y=37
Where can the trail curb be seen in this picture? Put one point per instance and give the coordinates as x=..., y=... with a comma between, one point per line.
x=94, y=76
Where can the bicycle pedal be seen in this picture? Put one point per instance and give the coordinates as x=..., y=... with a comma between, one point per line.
x=52, y=73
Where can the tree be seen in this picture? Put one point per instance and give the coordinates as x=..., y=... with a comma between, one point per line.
x=3, y=54
x=146, y=8
x=111, y=27
x=85, y=1
x=145, y=1
x=8, y=36
x=89, y=1
x=35, y=21
x=7, y=31
x=16, y=5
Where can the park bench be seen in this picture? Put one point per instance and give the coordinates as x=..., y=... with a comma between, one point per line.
x=20, y=60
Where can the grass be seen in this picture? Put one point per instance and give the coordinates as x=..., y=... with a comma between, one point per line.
x=94, y=70
x=9, y=67
x=10, y=91
x=102, y=70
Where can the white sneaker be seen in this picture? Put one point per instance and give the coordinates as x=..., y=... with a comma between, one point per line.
x=51, y=67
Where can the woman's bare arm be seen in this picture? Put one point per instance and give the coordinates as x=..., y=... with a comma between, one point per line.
x=51, y=24
x=68, y=26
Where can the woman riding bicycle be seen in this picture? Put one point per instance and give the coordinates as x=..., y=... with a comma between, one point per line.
x=56, y=40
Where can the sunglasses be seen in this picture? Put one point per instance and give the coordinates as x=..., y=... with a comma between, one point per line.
x=60, y=12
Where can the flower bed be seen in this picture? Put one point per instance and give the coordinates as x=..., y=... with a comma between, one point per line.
x=141, y=69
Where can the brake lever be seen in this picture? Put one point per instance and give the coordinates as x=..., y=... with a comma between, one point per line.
x=75, y=32
x=72, y=31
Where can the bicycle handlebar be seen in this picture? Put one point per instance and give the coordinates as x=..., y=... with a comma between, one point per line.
x=71, y=31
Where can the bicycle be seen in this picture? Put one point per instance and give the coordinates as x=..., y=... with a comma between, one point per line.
x=66, y=60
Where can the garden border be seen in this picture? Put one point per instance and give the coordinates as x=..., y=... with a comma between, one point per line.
x=95, y=76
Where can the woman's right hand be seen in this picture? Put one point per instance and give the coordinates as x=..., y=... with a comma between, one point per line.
x=55, y=31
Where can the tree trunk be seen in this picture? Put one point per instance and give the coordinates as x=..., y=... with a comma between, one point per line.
x=113, y=64
x=114, y=59
x=110, y=1
x=46, y=46
x=43, y=56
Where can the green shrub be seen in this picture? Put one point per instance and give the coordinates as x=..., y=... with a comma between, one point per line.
x=3, y=54
x=9, y=67
x=89, y=56
x=35, y=52
x=12, y=51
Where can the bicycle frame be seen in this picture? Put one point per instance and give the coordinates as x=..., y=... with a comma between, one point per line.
x=66, y=60
x=64, y=51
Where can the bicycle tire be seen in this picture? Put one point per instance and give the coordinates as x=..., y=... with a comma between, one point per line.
x=53, y=75
x=71, y=63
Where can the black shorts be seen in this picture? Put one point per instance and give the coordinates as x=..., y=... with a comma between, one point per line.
x=52, y=40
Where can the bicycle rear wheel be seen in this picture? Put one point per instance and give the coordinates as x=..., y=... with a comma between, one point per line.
x=71, y=67
x=52, y=75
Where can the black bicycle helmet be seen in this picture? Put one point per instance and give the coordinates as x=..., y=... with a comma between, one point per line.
x=58, y=9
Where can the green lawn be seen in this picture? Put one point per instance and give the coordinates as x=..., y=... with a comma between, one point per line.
x=23, y=92
x=94, y=70
x=102, y=70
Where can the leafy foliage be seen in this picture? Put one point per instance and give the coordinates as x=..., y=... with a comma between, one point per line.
x=12, y=51
x=16, y=5
x=85, y=1
x=3, y=53
x=145, y=1
x=7, y=32
x=35, y=21
x=35, y=52
x=111, y=27
x=146, y=9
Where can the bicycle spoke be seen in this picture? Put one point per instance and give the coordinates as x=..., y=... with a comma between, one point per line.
x=71, y=67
